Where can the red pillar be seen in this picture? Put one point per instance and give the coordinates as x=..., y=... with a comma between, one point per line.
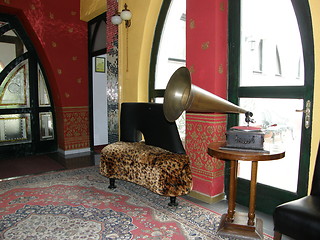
x=207, y=45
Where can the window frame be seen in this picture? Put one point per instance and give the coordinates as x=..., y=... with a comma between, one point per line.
x=155, y=93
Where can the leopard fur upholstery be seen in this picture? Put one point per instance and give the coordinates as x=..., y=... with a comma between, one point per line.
x=161, y=171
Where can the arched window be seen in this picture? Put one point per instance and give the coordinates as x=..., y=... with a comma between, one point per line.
x=26, y=111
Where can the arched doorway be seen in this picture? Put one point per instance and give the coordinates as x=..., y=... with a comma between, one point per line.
x=27, y=123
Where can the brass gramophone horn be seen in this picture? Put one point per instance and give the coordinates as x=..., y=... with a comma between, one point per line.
x=180, y=95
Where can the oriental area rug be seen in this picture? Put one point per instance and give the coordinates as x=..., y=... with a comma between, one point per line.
x=77, y=204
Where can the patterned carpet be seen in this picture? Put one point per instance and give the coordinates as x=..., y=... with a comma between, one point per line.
x=77, y=204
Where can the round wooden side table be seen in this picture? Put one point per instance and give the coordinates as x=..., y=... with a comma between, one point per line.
x=234, y=224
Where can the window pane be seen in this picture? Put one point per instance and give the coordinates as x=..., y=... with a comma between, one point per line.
x=271, y=51
x=46, y=125
x=2, y=23
x=282, y=126
x=15, y=129
x=100, y=38
x=11, y=47
x=181, y=122
x=14, y=90
x=172, y=47
x=44, y=100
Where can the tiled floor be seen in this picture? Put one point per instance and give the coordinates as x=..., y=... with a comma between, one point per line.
x=83, y=160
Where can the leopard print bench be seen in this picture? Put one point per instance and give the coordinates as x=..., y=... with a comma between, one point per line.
x=159, y=170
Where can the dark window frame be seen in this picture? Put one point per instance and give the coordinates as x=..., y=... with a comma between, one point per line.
x=155, y=93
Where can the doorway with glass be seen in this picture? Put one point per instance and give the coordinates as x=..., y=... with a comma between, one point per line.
x=271, y=74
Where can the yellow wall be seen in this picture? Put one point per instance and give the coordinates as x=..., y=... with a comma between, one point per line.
x=315, y=12
x=135, y=44
x=90, y=9
x=136, y=41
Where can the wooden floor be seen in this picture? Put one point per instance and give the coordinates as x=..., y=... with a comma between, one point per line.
x=36, y=164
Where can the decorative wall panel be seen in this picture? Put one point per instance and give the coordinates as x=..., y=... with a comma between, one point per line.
x=75, y=131
x=208, y=172
x=112, y=73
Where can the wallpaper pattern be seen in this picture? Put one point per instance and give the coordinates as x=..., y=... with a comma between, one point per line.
x=207, y=172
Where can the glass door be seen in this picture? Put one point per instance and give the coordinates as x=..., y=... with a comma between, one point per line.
x=275, y=83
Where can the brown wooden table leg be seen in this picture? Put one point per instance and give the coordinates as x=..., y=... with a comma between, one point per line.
x=238, y=225
x=232, y=191
x=253, y=190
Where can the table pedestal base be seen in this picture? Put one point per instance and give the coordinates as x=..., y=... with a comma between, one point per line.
x=239, y=227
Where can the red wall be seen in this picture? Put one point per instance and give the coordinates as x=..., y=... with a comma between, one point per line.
x=60, y=39
x=207, y=25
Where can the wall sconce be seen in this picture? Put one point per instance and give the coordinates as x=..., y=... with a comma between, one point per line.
x=125, y=15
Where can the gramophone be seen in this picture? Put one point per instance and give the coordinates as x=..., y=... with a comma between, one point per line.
x=180, y=95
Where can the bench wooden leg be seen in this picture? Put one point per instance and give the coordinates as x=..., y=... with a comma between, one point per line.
x=173, y=201
x=277, y=235
x=112, y=183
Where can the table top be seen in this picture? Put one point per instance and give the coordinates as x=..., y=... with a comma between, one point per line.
x=215, y=151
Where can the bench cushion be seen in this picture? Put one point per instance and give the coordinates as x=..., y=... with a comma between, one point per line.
x=154, y=168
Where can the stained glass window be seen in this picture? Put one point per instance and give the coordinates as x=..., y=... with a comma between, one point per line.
x=44, y=100
x=14, y=90
x=14, y=128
